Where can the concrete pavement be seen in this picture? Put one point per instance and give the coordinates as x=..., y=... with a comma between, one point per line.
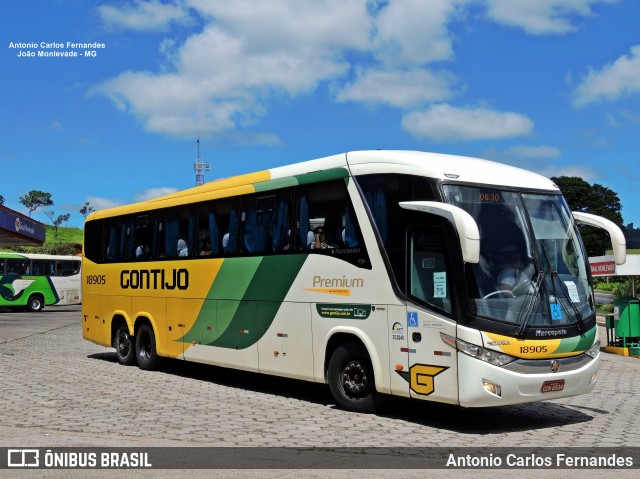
x=59, y=390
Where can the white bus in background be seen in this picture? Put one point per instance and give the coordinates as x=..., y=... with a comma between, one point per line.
x=33, y=281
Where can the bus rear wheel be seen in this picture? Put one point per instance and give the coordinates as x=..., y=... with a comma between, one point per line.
x=125, y=347
x=35, y=304
x=146, y=348
x=351, y=379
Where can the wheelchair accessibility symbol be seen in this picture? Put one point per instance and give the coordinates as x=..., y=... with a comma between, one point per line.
x=412, y=319
x=556, y=312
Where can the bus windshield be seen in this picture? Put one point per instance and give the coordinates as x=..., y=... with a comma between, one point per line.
x=532, y=269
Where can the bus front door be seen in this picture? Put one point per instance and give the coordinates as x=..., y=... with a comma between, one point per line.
x=432, y=365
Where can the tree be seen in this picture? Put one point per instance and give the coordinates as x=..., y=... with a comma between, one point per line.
x=595, y=199
x=86, y=209
x=50, y=214
x=36, y=199
x=1, y=200
x=59, y=220
x=633, y=236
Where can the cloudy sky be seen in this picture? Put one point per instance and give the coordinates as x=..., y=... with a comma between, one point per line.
x=548, y=85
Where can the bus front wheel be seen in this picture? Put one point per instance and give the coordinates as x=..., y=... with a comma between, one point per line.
x=125, y=347
x=35, y=304
x=146, y=348
x=351, y=379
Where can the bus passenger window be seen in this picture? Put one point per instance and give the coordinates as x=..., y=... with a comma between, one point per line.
x=177, y=230
x=325, y=219
x=143, y=238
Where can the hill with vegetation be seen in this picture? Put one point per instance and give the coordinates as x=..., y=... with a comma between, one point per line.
x=62, y=241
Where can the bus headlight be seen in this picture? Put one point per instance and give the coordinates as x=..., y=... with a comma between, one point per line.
x=593, y=350
x=492, y=357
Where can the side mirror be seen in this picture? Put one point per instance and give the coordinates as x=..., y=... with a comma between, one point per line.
x=462, y=221
x=618, y=242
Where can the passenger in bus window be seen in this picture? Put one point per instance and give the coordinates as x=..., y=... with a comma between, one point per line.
x=142, y=252
x=225, y=243
x=182, y=248
x=206, y=248
x=320, y=239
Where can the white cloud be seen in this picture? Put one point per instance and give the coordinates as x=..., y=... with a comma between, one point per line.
x=303, y=26
x=144, y=16
x=152, y=193
x=102, y=203
x=532, y=152
x=401, y=88
x=447, y=123
x=251, y=53
x=247, y=53
x=611, y=82
x=414, y=32
x=581, y=171
x=541, y=17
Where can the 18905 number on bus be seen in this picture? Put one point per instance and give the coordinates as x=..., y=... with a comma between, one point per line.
x=96, y=279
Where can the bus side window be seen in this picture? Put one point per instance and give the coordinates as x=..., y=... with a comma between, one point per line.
x=325, y=219
x=281, y=223
x=266, y=224
x=177, y=229
x=208, y=238
x=36, y=267
x=143, y=239
x=16, y=266
x=256, y=213
x=227, y=220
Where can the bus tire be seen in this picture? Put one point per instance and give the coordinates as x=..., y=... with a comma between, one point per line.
x=125, y=346
x=35, y=303
x=146, y=348
x=351, y=379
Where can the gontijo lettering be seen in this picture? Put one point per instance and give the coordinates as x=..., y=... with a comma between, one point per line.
x=154, y=279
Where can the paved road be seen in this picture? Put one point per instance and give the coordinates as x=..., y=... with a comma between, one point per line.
x=58, y=390
x=603, y=298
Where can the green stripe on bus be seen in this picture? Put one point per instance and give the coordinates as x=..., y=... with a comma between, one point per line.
x=323, y=175
x=578, y=343
x=275, y=184
x=244, y=300
x=11, y=256
x=305, y=179
x=234, y=278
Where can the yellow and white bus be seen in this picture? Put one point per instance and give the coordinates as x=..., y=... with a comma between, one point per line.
x=422, y=275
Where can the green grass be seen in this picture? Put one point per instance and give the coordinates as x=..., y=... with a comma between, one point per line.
x=64, y=235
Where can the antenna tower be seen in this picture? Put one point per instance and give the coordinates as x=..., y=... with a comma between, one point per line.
x=200, y=167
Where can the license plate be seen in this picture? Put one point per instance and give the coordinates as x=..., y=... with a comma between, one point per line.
x=552, y=386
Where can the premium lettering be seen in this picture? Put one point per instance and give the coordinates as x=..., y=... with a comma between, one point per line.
x=154, y=279
x=344, y=282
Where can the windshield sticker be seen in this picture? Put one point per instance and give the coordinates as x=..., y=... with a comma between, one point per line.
x=556, y=312
x=573, y=291
x=440, y=285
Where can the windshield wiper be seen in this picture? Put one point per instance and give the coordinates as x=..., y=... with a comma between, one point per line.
x=530, y=307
